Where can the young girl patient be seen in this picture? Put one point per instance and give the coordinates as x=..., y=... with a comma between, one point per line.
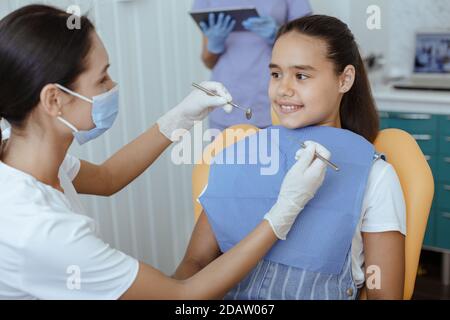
x=352, y=234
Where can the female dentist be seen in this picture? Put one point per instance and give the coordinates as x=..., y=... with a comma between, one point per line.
x=48, y=248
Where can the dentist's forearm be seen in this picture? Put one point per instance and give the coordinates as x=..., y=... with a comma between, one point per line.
x=133, y=159
x=214, y=281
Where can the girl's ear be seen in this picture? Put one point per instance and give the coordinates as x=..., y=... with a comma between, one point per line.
x=347, y=79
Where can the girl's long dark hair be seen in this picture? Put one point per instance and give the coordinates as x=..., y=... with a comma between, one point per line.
x=38, y=48
x=357, y=111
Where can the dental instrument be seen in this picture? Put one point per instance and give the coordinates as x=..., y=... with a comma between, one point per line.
x=248, y=112
x=329, y=163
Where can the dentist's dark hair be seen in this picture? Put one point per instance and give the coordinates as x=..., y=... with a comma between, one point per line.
x=358, y=110
x=38, y=48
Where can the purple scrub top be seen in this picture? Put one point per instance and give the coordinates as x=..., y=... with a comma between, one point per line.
x=243, y=67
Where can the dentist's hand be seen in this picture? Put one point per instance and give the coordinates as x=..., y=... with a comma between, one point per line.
x=217, y=32
x=195, y=107
x=298, y=188
x=265, y=27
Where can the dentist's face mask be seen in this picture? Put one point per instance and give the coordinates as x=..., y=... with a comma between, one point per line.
x=105, y=108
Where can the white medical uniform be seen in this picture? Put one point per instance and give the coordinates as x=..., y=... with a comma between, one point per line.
x=48, y=248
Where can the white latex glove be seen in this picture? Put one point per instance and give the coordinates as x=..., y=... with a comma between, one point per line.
x=195, y=107
x=299, y=186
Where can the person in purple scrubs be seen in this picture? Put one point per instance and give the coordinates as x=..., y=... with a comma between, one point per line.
x=240, y=60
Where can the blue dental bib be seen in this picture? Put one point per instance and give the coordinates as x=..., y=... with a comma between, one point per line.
x=238, y=195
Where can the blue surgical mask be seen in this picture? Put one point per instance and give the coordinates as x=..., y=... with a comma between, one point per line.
x=105, y=108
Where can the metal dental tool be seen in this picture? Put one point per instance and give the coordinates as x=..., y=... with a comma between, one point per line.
x=248, y=112
x=329, y=163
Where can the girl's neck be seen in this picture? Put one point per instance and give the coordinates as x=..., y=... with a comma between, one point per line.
x=335, y=122
x=39, y=155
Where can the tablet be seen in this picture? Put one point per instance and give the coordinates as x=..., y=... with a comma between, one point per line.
x=239, y=14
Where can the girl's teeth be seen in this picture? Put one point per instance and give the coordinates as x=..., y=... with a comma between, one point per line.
x=290, y=108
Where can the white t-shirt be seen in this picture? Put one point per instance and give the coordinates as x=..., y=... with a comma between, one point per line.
x=383, y=210
x=49, y=249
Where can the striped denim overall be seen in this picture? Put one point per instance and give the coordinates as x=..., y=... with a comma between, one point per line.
x=276, y=281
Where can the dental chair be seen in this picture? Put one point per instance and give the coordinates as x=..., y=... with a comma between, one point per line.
x=402, y=152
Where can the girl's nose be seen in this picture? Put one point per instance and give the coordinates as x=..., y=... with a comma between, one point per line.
x=285, y=89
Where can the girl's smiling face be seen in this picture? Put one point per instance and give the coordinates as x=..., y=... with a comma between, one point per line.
x=305, y=88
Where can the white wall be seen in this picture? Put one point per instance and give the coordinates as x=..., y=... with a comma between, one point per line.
x=353, y=12
x=399, y=20
x=406, y=17
x=339, y=8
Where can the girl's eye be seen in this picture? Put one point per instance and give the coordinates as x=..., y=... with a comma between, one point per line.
x=302, y=76
x=275, y=75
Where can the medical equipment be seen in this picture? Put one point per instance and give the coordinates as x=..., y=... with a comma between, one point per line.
x=248, y=112
x=329, y=163
x=194, y=108
x=238, y=14
x=105, y=108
